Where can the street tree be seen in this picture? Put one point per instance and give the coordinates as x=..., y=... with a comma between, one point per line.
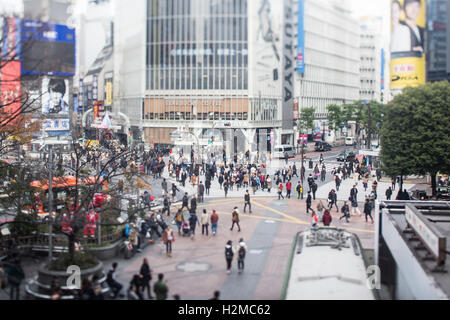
x=306, y=119
x=415, y=138
x=335, y=117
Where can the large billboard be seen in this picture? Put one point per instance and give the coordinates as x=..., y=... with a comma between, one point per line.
x=55, y=96
x=48, y=49
x=10, y=89
x=408, y=26
x=11, y=38
x=288, y=62
x=301, y=37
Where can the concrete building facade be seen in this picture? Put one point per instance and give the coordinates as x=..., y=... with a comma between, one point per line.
x=332, y=60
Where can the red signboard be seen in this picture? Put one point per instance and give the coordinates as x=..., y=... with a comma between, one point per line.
x=10, y=91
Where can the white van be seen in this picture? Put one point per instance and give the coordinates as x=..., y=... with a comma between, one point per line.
x=281, y=149
x=350, y=141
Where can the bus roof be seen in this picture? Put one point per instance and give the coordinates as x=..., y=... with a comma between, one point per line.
x=63, y=182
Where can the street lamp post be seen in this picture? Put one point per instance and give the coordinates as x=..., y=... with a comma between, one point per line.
x=50, y=205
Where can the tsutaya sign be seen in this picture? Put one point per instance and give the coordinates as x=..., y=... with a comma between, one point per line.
x=288, y=62
x=433, y=240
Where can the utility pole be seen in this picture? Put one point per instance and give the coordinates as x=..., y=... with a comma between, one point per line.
x=50, y=205
x=99, y=216
x=369, y=127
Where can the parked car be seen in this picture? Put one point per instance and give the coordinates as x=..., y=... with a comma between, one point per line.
x=281, y=149
x=323, y=146
x=443, y=193
x=346, y=156
x=350, y=141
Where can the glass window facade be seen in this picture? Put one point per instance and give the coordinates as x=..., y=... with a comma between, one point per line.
x=197, y=45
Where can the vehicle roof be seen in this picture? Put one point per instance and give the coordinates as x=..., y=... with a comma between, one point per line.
x=321, y=272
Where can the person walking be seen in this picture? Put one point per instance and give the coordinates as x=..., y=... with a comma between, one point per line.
x=320, y=208
x=337, y=181
x=168, y=239
x=314, y=219
x=179, y=220
x=166, y=204
x=326, y=218
x=241, y=250
x=174, y=192
x=164, y=186
x=204, y=220
x=146, y=277
x=354, y=202
x=225, y=187
x=389, y=193
x=314, y=190
x=309, y=203
x=160, y=288
x=115, y=286
x=393, y=182
x=288, y=189
x=247, y=201
x=194, y=204
x=280, y=191
x=269, y=183
x=229, y=255
x=235, y=219
x=345, y=212
x=15, y=275
x=214, y=222
x=193, y=221
x=299, y=189
x=201, y=191
x=368, y=209
x=185, y=202
x=207, y=186
x=332, y=200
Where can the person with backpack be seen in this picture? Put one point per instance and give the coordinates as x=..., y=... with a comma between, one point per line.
x=241, y=250
x=247, y=201
x=229, y=255
x=179, y=220
x=214, y=222
x=235, y=219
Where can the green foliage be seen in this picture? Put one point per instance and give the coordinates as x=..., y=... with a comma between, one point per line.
x=335, y=116
x=306, y=119
x=80, y=258
x=26, y=228
x=416, y=136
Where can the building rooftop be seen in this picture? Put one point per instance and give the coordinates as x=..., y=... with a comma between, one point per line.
x=425, y=228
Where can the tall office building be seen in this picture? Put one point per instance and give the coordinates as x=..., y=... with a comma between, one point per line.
x=438, y=57
x=331, y=73
x=372, y=59
x=202, y=65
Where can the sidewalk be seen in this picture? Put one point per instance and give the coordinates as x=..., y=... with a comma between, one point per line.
x=346, y=185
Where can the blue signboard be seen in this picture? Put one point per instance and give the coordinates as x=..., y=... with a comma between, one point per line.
x=48, y=49
x=382, y=69
x=301, y=37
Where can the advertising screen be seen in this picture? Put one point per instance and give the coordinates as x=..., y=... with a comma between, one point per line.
x=55, y=96
x=408, y=29
x=47, y=49
x=301, y=37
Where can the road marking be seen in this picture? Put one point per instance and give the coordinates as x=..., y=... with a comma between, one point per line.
x=279, y=212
